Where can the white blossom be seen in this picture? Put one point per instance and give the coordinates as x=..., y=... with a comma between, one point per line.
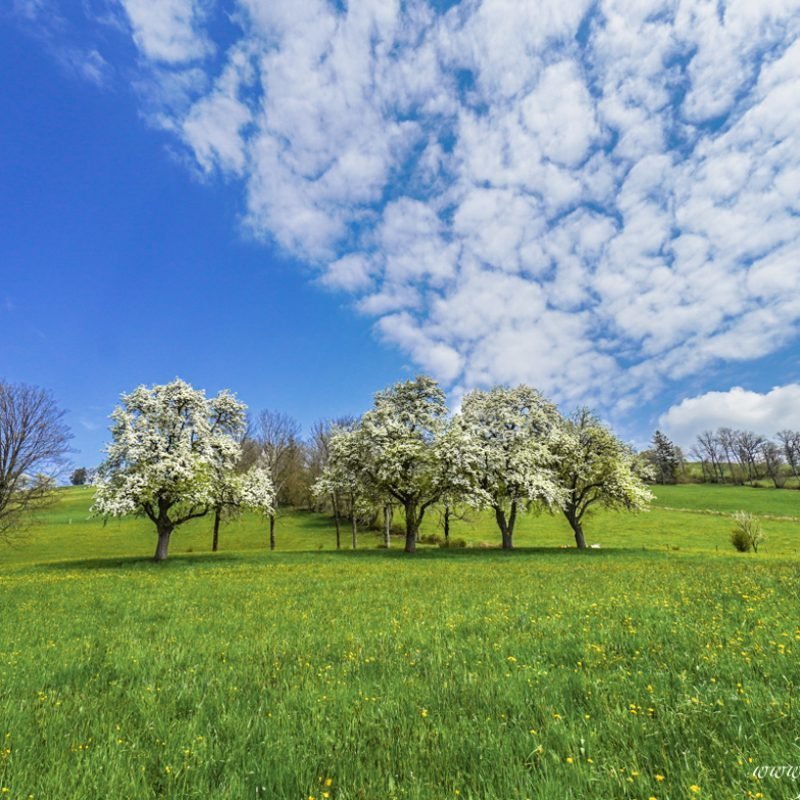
x=168, y=444
x=508, y=435
x=597, y=469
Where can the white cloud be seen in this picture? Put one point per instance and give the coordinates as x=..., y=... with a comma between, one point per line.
x=737, y=408
x=597, y=198
x=350, y=273
x=560, y=113
x=213, y=126
x=168, y=30
x=433, y=356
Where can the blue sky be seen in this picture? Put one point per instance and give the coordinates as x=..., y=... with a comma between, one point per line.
x=306, y=202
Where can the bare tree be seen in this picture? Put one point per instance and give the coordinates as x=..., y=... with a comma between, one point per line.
x=790, y=443
x=711, y=455
x=748, y=449
x=727, y=442
x=773, y=461
x=278, y=437
x=34, y=443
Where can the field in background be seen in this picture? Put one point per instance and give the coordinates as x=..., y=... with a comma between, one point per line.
x=678, y=519
x=662, y=665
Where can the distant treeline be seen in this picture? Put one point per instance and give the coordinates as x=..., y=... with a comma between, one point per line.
x=729, y=456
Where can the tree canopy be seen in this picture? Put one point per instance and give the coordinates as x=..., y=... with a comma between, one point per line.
x=169, y=444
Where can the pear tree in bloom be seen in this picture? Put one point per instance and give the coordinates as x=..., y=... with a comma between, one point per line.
x=597, y=470
x=232, y=491
x=346, y=474
x=257, y=490
x=403, y=431
x=509, y=436
x=168, y=442
x=457, y=467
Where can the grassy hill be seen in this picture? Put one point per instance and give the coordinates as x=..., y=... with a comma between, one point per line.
x=634, y=671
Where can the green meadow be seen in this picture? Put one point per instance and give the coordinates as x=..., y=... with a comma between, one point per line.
x=662, y=664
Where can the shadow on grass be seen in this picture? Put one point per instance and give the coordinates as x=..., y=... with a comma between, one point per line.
x=492, y=553
x=178, y=561
x=265, y=558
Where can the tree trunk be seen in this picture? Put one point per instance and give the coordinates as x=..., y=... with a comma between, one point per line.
x=506, y=529
x=353, y=523
x=271, y=531
x=577, y=528
x=335, y=504
x=215, y=540
x=412, y=527
x=387, y=525
x=162, y=548
x=447, y=524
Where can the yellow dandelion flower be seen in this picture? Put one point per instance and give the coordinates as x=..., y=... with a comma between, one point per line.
x=569, y=759
x=694, y=788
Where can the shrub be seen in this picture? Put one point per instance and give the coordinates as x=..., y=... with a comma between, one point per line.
x=747, y=534
x=430, y=538
x=453, y=543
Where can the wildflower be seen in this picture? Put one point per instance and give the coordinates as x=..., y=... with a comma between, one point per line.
x=659, y=778
x=423, y=713
x=569, y=759
x=694, y=788
x=329, y=781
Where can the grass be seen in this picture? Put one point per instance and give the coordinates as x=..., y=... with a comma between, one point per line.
x=633, y=671
x=715, y=497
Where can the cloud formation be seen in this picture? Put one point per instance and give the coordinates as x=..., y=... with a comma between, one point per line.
x=593, y=197
x=738, y=408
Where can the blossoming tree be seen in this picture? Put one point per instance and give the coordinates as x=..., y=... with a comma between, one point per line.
x=347, y=474
x=509, y=434
x=169, y=444
x=597, y=469
x=403, y=432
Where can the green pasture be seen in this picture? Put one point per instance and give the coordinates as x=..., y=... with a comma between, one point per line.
x=686, y=517
x=661, y=665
